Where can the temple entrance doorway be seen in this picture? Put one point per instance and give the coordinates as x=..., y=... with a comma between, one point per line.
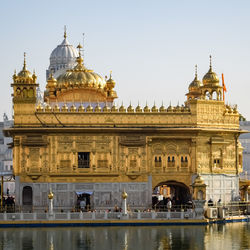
x=83, y=202
x=27, y=198
x=176, y=192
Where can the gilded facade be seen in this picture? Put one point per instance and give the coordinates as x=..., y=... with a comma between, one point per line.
x=79, y=142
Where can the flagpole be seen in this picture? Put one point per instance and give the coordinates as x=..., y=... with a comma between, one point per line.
x=224, y=86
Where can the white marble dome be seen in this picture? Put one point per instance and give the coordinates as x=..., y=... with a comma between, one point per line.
x=63, y=53
x=63, y=57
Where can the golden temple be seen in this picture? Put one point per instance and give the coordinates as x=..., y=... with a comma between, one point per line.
x=78, y=142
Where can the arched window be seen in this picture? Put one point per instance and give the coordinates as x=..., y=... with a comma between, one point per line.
x=214, y=95
x=168, y=158
x=25, y=93
x=207, y=95
x=172, y=158
x=159, y=159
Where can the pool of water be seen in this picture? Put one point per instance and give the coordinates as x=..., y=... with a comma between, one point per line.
x=226, y=237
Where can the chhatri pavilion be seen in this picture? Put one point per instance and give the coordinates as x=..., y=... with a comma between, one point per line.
x=77, y=142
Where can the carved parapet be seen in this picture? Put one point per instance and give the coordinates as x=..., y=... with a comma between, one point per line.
x=95, y=108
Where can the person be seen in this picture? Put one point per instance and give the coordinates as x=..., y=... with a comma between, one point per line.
x=116, y=209
x=82, y=205
x=219, y=203
x=210, y=202
x=169, y=204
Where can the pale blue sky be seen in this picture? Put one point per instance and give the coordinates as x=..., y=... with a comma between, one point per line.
x=151, y=46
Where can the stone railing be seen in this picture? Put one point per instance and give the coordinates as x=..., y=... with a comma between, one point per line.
x=97, y=216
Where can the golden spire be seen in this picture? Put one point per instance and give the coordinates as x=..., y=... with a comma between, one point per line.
x=79, y=46
x=24, y=61
x=210, y=66
x=65, y=32
x=196, y=71
x=79, y=59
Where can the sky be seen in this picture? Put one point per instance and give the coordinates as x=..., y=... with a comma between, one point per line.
x=151, y=47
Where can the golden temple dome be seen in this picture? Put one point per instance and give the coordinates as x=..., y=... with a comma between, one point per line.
x=80, y=76
x=195, y=84
x=210, y=78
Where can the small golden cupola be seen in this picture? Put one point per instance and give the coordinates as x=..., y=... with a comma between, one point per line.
x=210, y=78
x=110, y=84
x=211, y=89
x=24, y=85
x=50, y=87
x=24, y=76
x=194, y=87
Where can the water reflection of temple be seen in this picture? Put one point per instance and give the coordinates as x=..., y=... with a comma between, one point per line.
x=79, y=141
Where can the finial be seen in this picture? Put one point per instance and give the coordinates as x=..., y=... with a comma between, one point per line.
x=83, y=36
x=110, y=74
x=24, y=60
x=196, y=71
x=79, y=48
x=15, y=72
x=65, y=32
x=210, y=62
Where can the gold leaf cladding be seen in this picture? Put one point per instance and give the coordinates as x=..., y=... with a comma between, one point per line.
x=102, y=163
x=84, y=138
x=103, y=139
x=133, y=151
x=65, y=147
x=158, y=149
x=65, y=166
x=133, y=140
x=34, y=154
x=65, y=139
x=83, y=146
